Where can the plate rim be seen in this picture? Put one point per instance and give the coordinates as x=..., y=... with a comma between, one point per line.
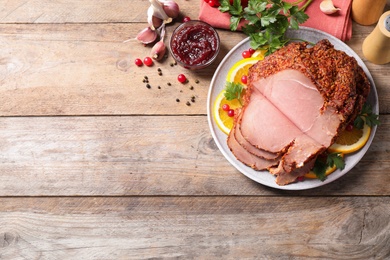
x=247, y=171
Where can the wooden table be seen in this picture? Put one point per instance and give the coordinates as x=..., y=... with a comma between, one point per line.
x=94, y=165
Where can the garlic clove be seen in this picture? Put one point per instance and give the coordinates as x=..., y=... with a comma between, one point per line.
x=158, y=50
x=159, y=12
x=154, y=22
x=327, y=7
x=147, y=35
x=171, y=8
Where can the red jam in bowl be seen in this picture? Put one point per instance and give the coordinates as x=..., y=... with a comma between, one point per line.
x=194, y=44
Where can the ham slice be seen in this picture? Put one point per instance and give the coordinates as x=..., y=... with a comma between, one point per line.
x=246, y=157
x=296, y=96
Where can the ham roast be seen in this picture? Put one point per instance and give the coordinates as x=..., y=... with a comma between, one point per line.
x=297, y=101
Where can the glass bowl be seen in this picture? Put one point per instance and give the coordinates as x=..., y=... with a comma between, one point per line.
x=194, y=44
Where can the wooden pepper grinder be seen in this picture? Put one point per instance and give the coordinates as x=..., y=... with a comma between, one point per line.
x=376, y=47
x=367, y=12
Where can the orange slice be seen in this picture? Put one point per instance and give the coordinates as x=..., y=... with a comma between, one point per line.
x=240, y=68
x=351, y=141
x=224, y=122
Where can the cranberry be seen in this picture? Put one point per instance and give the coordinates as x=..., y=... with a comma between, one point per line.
x=138, y=62
x=251, y=51
x=230, y=112
x=246, y=54
x=148, y=61
x=244, y=79
x=213, y=3
x=186, y=19
x=181, y=78
x=349, y=127
x=225, y=107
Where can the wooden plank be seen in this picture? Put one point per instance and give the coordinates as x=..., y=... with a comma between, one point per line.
x=87, y=11
x=146, y=155
x=78, y=69
x=195, y=228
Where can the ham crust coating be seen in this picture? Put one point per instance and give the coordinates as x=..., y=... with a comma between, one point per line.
x=337, y=76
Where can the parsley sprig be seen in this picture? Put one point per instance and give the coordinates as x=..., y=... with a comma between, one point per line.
x=366, y=116
x=323, y=162
x=233, y=91
x=267, y=20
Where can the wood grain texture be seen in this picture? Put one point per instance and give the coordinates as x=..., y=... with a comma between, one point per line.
x=145, y=155
x=39, y=64
x=195, y=228
x=87, y=11
x=93, y=165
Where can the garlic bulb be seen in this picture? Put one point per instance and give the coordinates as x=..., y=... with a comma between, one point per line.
x=159, y=12
x=327, y=7
x=154, y=21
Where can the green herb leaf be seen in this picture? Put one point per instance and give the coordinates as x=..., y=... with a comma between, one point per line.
x=322, y=163
x=320, y=169
x=224, y=6
x=335, y=159
x=366, y=116
x=233, y=91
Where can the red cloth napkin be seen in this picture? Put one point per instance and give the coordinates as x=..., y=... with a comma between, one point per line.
x=338, y=24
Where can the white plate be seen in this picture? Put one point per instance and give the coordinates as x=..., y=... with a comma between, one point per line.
x=264, y=177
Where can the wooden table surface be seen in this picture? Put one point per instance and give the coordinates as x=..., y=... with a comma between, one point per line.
x=94, y=165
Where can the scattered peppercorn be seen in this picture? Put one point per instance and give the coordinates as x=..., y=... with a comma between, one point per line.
x=148, y=86
x=159, y=87
x=188, y=103
x=172, y=64
x=193, y=99
x=177, y=100
x=192, y=88
x=169, y=84
x=197, y=81
x=160, y=73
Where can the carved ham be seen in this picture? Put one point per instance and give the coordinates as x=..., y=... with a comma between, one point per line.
x=297, y=101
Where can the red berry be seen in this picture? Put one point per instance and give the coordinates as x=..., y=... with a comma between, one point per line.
x=251, y=51
x=186, y=19
x=349, y=127
x=213, y=3
x=138, y=62
x=230, y=112
x=225, y=107
x=148, y=61
x=244, y=79
x=246, y=54
x=181, y=78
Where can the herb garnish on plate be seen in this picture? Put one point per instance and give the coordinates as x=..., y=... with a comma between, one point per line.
x=267, y=20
